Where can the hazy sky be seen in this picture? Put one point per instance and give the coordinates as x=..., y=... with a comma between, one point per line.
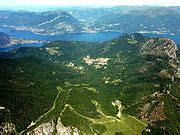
x=10, y=3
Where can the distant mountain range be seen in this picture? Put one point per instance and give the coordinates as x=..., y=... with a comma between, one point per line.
x=50, y=22
x=131, y=19
x=156, y=20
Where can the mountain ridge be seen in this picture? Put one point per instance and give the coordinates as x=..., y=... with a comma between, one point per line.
x=116, y=71
x=157, y=20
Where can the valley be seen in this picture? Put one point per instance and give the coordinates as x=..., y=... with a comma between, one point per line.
x=90, y=70
x=71, y=86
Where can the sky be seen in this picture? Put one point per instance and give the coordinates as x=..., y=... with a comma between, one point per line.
x=29, y=3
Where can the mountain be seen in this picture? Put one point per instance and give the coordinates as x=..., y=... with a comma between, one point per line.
x=50, y=22
x=128, y=19
x=8, y=43
x=128, y=85
x=124, y=19
x=4, y=39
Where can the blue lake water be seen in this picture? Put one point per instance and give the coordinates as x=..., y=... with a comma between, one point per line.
x=89, y=37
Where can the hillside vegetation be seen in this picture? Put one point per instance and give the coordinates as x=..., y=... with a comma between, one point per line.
x=126, y=86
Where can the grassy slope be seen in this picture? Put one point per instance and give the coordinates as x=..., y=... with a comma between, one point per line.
x=46, y=71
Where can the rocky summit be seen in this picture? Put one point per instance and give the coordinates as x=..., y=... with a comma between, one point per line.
x=160, y=47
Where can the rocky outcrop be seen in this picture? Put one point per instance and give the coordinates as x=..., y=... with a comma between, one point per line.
x=53, y=127
x=178, y=67
x=7, y=128
x=164, y=51
x=160, y=47
x=153, y=115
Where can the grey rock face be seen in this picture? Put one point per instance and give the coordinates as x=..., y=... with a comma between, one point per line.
x=160, y=47
x=165, y=51
x=51, y=128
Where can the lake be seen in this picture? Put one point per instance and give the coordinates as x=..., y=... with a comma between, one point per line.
x=89, y=37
